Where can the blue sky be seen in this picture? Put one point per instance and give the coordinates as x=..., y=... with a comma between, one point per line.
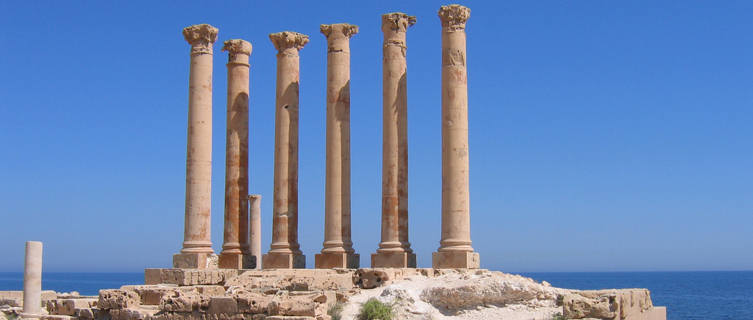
x=604, y=136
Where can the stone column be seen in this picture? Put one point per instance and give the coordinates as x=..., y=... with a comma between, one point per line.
x=455, y=249
x=338, y=248
x=254, y=201
x=394, y=250
x=33, y=280
x=235, y=248
x=197, y=243
x=285, y=251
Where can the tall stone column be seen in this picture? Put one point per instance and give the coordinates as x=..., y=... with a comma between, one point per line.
x=285, y=251
x=394, y=250
x=455, y=249
x=338, y=247
x=32, y=280
x=254, y=201
x=197, y=243
x=235, y=248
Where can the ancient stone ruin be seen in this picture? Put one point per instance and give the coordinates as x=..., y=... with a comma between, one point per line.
x=202, y=285
x=394, y=250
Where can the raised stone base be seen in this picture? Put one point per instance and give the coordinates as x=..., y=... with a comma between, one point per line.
x=393, y=260
x=337, y=260
x=283, y=261
x=455, y=260
x=192, y=260
x=236, y=261
x=189, y=277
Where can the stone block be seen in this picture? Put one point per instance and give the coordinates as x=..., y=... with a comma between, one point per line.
x=184, y=302
x=188, y=277
x=84, y=314
x=152, y=276
x=67, y=307
x=308, y=304
x=393, y=260
x=191, y=260
x=455, y=260
x=622, y=304
x=117, y=299
x=252, y=302
x=283, y=261
x=236, y=261
x=141, y=313
x=337, y=260
x=223, y=305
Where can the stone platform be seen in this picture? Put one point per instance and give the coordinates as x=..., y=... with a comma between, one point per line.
x=308, y=294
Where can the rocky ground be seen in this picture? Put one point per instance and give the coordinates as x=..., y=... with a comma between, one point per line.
x=308, y=294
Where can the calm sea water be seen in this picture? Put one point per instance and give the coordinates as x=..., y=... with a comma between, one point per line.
x=687, y=295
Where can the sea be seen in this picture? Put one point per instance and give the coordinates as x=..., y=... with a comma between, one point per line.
x=687, y=295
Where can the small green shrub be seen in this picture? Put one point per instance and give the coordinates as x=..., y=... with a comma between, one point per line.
x=558, y=316
x=335, y=311
x=375, y=310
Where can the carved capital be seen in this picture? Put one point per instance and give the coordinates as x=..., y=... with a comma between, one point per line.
x=397, y=21
x=338, y=29
x=288, y=39
x=238, y=51
x=454, y=16
x=236, y=46
x=201, y=37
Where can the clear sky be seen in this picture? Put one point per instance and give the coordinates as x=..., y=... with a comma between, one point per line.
x=604, y=136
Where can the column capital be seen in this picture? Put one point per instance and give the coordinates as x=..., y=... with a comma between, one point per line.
x=238, y=51
x=338, y=30
x=254, y=197
x=237, y=46
x=287, y=40
x=397, y=21
x=201, y=37
x=454, y=16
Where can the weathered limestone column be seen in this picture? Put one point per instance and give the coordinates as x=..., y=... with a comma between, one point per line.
x=455, y=249
x=235, y=248
x=285, y=251
x=254, y=201
x=32, y=280
x=338, y=248
x=197, y=243
x=394, y=250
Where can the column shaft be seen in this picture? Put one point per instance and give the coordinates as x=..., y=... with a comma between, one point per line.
x=235, y=248
x=338, y=246
x=285, y=251
x=394, y=249
x=33, y=279
x=455, y=249
x=254, y=201
x=197, y=242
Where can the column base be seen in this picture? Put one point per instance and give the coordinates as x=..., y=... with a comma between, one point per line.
x=195, y=261
x=455, y=260
x=236, y=261
x=393, y=260
x=337, y=260
x=283, y=261
x=23, y=315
